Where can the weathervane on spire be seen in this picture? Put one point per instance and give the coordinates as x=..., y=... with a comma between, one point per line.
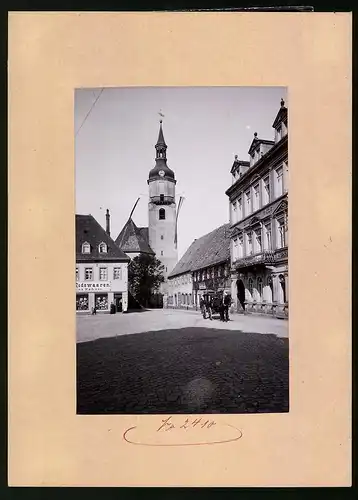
x=161, y=115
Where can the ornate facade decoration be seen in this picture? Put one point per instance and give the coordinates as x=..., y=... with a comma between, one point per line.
x=259, y=224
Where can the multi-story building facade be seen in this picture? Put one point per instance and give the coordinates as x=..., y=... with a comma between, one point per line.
x=259, y=224
x=203, y=270
x=101, y=268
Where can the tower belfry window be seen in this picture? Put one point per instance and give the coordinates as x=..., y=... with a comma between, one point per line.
x=162, y=198
x=162, y=214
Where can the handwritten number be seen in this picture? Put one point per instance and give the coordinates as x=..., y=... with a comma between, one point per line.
x=196, y=421
x=184, y=426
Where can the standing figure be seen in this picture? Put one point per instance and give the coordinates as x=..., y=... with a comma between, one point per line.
x=221, y=309
x=227, y=304
x=208, y=307
x=202, y=307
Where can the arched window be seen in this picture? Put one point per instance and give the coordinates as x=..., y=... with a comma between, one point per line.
x=102, y=247
x=250, y=285
x=259, y=287
x=86, y=247
x=161, y=214
x=270, y=285
x=283, y=287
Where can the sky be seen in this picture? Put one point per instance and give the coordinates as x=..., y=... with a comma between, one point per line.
x=204, y=128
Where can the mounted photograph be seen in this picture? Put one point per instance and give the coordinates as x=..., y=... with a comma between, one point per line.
x=181, y=233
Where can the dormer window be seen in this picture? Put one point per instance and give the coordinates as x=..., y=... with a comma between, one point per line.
x=102, y=247
x=86, y=247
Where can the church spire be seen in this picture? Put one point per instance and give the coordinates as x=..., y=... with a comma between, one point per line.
x=161, y=147
x=161, y=171
x=161, y=141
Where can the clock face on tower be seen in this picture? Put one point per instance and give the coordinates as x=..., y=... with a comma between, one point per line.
x=161, y=173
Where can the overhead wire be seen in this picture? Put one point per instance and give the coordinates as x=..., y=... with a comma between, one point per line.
x=90, y=110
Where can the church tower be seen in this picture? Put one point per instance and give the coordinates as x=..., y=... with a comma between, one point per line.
x=162, y=209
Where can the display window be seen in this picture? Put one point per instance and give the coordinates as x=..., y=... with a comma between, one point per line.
x=101, y=301
x=82, y=303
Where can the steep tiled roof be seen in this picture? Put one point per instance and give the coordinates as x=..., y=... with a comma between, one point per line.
x=133, y=238
x=210, y=249
x=90, y=231
x=144, y=231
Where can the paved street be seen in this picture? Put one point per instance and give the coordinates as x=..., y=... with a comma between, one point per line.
x=108, y=325
x=177, y=362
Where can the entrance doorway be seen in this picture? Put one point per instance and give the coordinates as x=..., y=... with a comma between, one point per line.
x=241, y=293
x=118, y=301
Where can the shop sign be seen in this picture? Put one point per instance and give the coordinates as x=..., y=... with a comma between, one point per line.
x=202, y=286
x=101, y=286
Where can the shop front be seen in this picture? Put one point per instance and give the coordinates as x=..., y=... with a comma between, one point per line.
x=99, y=296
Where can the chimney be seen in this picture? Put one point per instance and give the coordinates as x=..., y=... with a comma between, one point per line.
x=108, y=231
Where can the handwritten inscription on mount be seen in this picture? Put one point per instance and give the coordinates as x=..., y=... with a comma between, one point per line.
x=182, y=430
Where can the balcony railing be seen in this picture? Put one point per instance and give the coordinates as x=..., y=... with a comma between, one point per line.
x=262, y=258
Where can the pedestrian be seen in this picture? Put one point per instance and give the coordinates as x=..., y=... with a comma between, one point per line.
x=227, y=304
x=202, y=307
x=221, y=309
x=208, y=307
x=94, y=310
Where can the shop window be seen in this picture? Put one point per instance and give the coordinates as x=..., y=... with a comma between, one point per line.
x=117, y=273
x=101, y=301
x=86, y=247
x=162, y=214
x=82, y=302
x=77, y=274
x=103, y=274
x=88, y=273
x=102, y=247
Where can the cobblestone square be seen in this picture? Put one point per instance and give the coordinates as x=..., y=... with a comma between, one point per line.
x=177, y=362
